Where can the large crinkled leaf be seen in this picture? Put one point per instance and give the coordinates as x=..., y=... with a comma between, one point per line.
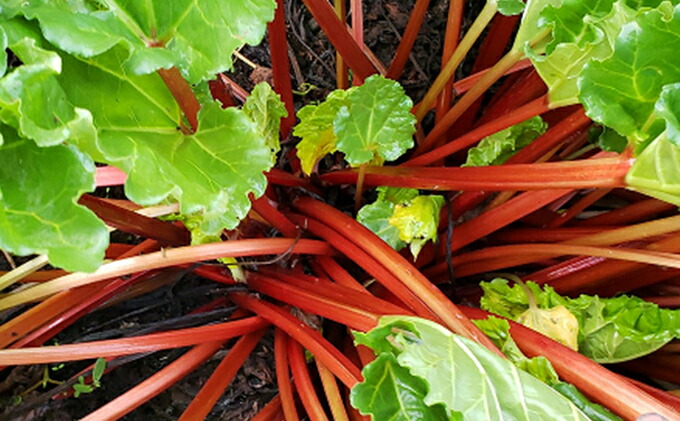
x=610, y=329
x=210, y=172
x=31, y=99
x=575, y=21
x=376, y=124
x=265, y=108
x=316, y=129
x=499, y=147
x=582, y=31
x=464, y=376
x=196, y=36
x=390, y=392
x=621, y=91
x=39, y=188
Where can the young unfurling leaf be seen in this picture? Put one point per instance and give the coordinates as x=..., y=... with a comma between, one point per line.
x=401, y=217
x=371, y=123
x=499, y=147
x=376, y=123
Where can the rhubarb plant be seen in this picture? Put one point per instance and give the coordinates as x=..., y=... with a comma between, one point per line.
x=111, y=82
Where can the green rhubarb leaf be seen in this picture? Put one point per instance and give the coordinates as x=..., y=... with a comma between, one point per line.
x=211, y=172
x=265, y=108
x=668, y=108
x=376, y=217
x=418, y=221
x=530, y=31
x=498, y=330
x=621, y=91
x=581, y=31
x=196, y=36
x=575, y=21
x=510, y=7
x=499, y=147
x=656, y=171
x=316, y=129
x=611, y=141
x=610, y=329
x=396, y=195
x=376, y=124
x=31, y=98
x=39, y=188
x=390, y=392
x=462, y=375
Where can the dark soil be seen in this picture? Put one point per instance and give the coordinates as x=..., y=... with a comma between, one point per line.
x=312, y=63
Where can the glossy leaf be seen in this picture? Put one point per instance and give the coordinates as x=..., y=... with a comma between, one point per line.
x=26, y=89
x=668, y=108
x=396, y=195
x=376, y=123
x=39, y=188
x=210, y=172
x=316, y=129
x=464, y=376
x=610, y=329
x=529, y=31
x=400, y=216
x=498, y=330
x=390, y=392
x=157, y=34
x=611, y=141
x=418, y=221
x=265, y=108
x=499, y=147
x=376, y=217
x=621, y=92
x=581, y=31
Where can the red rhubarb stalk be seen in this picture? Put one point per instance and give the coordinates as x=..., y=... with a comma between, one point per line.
x=339, y=36
x=368, y=263
x=220, y=379
x=341, y=366
x=139, y=344
x=283, y=375
x=154, y=385
x=183, y=94
x=582, y=174
x=398, y=265
x=408, y=39
x=303, y=382
x=353, y=316
x=532, y=109
x=333, y=397
x=278, y=48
